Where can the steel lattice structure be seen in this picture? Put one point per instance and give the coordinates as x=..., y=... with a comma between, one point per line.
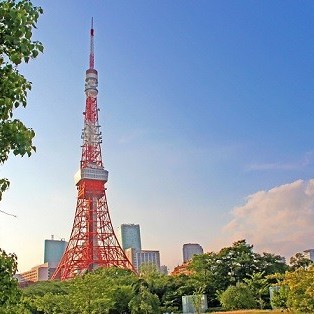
x=93, y=242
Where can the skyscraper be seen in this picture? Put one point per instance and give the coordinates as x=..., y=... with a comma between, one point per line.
x=131, y=237
x=190, y=249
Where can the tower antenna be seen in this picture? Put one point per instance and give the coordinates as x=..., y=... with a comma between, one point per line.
x=93, y=242
x=91, y=52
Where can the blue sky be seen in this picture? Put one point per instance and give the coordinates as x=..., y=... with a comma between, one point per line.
x=206, y=112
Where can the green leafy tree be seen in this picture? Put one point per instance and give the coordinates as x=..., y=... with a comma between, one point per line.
x=231, y=265
x=300, y=261
x=174, y=288
x=237, y=298
x=98, y=291
x=40, y=288
x=269, y=264
x=51, y=304
x=280, y=298
x=143, y=301
x=105, y=290
x=259, y=286
x=47, y=297
x=17, y=20
x=301, y=289
x=209, y=272
x=9, y=291
x=197, y=298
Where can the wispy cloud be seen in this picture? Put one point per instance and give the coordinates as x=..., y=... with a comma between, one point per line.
x=279, y=220
x=303, y=162
x=131, y=137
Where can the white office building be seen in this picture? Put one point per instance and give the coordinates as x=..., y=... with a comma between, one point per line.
x=140, y=257
x=309, y=254
x=41, y=272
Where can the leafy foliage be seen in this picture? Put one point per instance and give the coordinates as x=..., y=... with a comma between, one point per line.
x=106, y=290
x=17, y=20
x=9, y=292
x=280, y=297
x=144, y=301
x=237, y=298
x=259, y=286
x=300, y=261
x=232, y=265
x=114, y=290
x=297, y=290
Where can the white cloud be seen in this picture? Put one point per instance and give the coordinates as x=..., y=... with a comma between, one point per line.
x=280, y=220
x=303, y=162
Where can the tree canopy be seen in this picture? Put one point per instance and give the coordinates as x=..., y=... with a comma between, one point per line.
x=232, y=265
x=236, y=277
x=9, y=292
x=17, y=21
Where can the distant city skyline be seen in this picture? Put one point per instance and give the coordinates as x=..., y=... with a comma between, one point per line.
x=206, y=112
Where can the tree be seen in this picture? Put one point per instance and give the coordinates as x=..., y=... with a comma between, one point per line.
x=9, y=291
x=295, y=290
x=17, y=20
x=237, y=298
x=100, y=291
x=143, y=301
x=231, y=265
x=279, y=297
x=300, y=261
x=197, y=299
x=104, y=290
x=47, y=297
x=301, y=289
x=259, y=286
x=269, y=264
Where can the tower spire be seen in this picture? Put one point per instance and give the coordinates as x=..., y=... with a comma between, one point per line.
x=91, y=52
x=93, y=242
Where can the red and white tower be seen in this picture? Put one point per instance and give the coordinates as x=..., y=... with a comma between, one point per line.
x=93, y=242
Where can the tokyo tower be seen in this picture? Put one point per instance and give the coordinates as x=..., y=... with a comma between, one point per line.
x=92, y=243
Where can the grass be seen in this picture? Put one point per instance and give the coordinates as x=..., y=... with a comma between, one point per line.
x=252, y=312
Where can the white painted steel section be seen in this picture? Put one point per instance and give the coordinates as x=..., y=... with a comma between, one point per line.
x=91, y=134
x=91, y=84
x=91, y=174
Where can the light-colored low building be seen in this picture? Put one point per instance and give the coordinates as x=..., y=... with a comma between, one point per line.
x=164, y=269
x=41, y=272
x=139, y=257
x=309, y=254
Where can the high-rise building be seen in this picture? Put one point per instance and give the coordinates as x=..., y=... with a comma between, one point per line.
x=140, y=257
x=190, y=249
x=309, y=254
x=131, y=236
x=54, y=250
